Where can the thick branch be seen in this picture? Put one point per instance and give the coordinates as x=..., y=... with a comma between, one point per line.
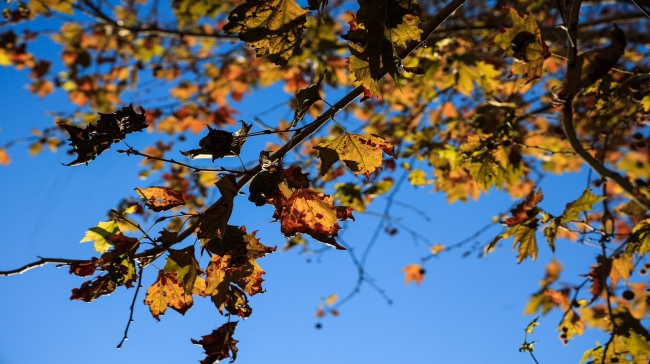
x=567, y=117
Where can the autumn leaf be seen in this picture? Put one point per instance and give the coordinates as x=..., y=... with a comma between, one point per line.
x=184, y=264
x=361, y=70
x=406, y=31
x=220, y=344
x=362, y=153
x=437, y=249
x=305, y=98
x=414, y=272
x=101, y=234
x=295, y=178
x=584, y=203
x=311, y=213
x=215, y=220
x=622, y=267
x=4, y=157
x=219, y=143
x=524, y=43
x=90, y=290
x=161, y=198
x=84, y=268
x=97, y=138
x=272, y=27
x=523, y=210
x=525, y=238
x=167, y=291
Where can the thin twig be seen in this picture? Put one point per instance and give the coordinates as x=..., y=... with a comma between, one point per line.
x=132, y=308
x=39, y=263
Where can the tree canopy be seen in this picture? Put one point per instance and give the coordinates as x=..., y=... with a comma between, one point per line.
x=459, y=98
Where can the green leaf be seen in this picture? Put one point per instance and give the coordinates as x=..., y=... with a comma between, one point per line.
x=550, y=233
x=525, y=237
x=582, y=204
x=406, y=31
x=637, y=344
x=100, y=235
x=531, y=325
x=361, y=70
x=184, y=263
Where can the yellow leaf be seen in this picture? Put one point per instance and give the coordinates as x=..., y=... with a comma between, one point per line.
x=362, y=153
x=525, y=237
x=331, y=299
x=437, y=249
x=100, y=235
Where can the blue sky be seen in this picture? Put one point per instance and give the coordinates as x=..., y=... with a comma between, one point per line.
x=467, y=310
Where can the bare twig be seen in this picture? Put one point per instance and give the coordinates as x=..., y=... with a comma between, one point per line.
x=132, y=308
x=39, y=263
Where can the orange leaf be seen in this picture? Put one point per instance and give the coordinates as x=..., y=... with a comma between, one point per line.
x=161, y=198
x=219, y=344
x=165, y=292
x=312, y=213
x=4, y=157
x=414, y=272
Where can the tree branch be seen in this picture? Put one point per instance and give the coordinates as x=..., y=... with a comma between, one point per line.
x=567, y=117
x=39, y=263
x=427, y=31
x=135, y=296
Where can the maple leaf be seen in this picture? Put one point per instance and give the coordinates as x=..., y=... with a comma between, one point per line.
x=184, y=264
x=97, y=138
x=406, y=31
x=622, y=267
x=361, y=70
x=414, y=272
x=214, y=224
x=235, y=302
x=101, y=234
x=524, y=209
x=295, y=177
x=220, y=344
x=584, y=203
x=525, y=237
x=161, y=198
x=219, y=143
x=361, y=153
x=524, y=43
x=272, y=27
x=90, y=290
x=167, y=291
x=312, y=213
x=598, y=274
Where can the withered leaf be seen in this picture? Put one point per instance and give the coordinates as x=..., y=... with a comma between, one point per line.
x=85, y=268
x=295, y=177
x=522, y=211
x=219, y=345
x=161, y=198
x=90, y=290
x=220, y=143
x=306, y=98
x=167, y=291
x=94, y=139
x=213, y=226
x=312, y=213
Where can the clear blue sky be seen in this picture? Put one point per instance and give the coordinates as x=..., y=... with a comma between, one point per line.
x=466, y=310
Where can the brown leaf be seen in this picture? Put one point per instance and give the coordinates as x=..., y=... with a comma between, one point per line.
x=312, y=213
x=84, y=269
x=219, y=344
x=295, y=177
x=165, y=292
x=161, y=198
x=90, y=290
x=521, y=212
